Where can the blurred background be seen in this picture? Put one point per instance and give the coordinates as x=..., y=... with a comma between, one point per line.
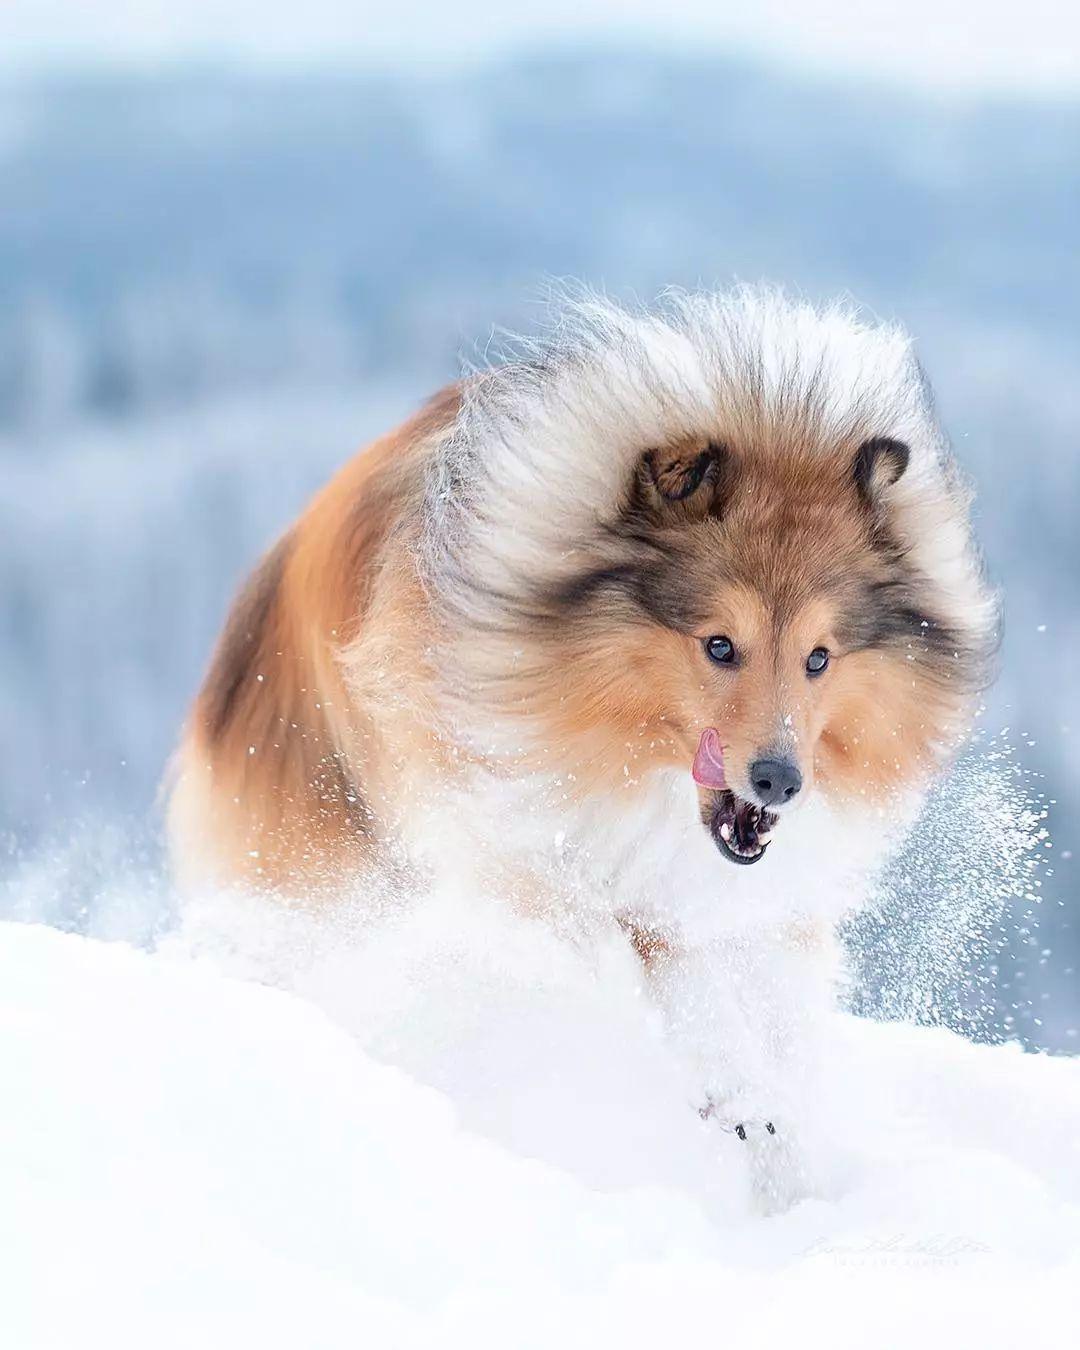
x=238, y=239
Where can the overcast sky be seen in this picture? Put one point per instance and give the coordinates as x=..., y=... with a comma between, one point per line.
x=1031, y=45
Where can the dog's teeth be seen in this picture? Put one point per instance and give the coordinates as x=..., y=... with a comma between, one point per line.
x=725, y=832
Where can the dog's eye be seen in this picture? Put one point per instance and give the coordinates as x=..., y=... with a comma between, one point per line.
x=721, y=650
x=817, y=661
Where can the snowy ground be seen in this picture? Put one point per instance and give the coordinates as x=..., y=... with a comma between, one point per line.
x=427, y=1140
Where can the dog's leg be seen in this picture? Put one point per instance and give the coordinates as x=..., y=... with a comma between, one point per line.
x=701, y=995
x=745, y=1016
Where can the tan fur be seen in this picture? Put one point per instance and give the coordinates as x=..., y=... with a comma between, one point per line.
x=282, y=766
x=481, y=656
x=611, y=693
x=320, y=715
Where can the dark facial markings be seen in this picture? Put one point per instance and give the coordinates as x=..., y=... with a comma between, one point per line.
x=657, y=564
x=887, y=616
x=651, y=564
x=882, y=613
x=625, y=578
x=660, y=588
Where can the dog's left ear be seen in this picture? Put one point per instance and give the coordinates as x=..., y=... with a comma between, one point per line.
x=879, y=463
x=688, y=474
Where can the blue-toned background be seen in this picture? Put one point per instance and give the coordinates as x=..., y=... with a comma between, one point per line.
x=217, y=280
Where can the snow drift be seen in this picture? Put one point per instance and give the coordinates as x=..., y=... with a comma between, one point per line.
x=456, y=1141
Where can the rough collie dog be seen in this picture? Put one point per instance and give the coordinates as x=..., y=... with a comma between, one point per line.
x=660, y=627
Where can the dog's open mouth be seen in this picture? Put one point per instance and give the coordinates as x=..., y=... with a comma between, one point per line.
x=740, y=829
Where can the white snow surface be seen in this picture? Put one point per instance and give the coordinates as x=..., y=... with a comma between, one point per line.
x=460, y=1132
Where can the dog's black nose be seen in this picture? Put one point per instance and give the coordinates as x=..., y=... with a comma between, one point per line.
x=775, y=781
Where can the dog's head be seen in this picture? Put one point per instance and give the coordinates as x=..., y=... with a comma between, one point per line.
x=754, y=619
x=785, y=602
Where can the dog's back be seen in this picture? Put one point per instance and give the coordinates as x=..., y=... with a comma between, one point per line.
x=285, y=750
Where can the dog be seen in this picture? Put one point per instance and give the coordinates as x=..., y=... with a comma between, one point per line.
x=663, y=625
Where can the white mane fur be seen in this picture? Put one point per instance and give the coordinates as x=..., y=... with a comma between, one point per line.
x=546, y=441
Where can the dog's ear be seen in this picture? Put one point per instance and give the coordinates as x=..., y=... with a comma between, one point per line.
x=687, y=475
x=879, y=463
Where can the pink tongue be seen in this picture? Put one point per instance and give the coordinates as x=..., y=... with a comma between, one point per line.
x=708, y=768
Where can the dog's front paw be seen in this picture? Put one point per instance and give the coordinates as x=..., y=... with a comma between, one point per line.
x=743, y=1126
x=734, y=1121
x=774, y=1159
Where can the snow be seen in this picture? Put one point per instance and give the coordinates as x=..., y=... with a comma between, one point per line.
x=440, y=1137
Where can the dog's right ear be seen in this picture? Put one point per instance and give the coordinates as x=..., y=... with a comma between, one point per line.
x=687, y=476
